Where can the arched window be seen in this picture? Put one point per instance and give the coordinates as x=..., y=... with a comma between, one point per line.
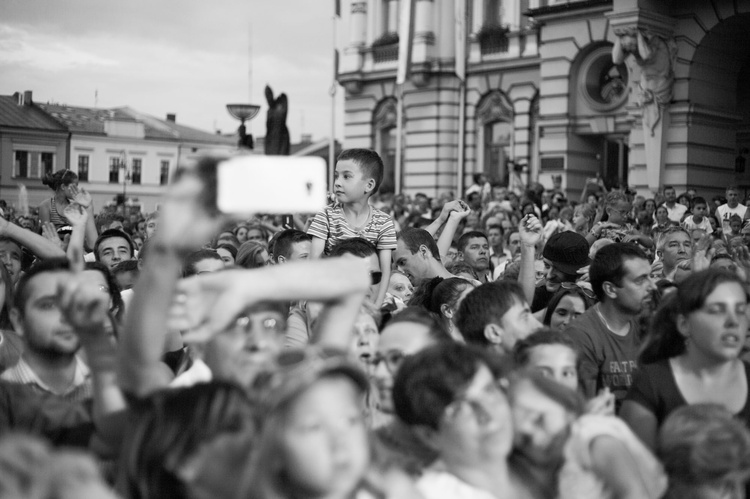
x=384, y=128
x=495, y=136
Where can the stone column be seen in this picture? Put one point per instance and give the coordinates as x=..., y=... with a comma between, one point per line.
x=353, y=56
x=424, y=35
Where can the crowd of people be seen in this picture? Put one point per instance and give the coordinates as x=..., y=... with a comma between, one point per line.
x=496, y=344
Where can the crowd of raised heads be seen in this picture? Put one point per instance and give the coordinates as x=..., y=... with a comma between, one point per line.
x=496, y=343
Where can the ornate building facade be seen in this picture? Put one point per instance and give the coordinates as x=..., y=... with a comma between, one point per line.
x=644, y=93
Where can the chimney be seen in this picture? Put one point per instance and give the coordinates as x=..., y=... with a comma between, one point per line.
x=27, y=98
x=171, y=117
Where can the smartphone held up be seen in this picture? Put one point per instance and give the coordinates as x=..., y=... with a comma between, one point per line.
x=271, y=184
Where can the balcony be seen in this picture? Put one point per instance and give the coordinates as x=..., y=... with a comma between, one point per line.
x=385, y=48
x=493, y=38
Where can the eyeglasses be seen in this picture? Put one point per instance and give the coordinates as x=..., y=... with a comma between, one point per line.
x=375, y=277
x=573, y=286
x=392, y=359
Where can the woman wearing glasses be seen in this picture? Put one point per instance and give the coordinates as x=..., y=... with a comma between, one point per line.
x=692, y=354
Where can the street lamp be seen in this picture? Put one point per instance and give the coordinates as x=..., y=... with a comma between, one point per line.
x=243, y=112
x=123, y=165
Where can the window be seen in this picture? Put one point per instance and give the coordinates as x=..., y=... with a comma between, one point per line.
x=114, y=170
x=164, y=173
x=384, y=126
x=22, y=164
x=497, y=150
x=47, y=160
x=494, y=116
x=83, y=168
x=136, y=174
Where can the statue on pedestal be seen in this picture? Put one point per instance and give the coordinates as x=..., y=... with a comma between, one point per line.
x=277, y=134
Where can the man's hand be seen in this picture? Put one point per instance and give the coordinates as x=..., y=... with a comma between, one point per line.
x=530, y=230
x=50, y=233
x=184, y=224
x=84, y=303
x=451, y=206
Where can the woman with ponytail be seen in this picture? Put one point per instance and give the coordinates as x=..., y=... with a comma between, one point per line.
x=67, y=193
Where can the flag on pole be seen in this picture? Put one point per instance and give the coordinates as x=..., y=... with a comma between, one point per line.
x=335, y=64
x=405, y=38
x=460, y=33
x=337, y=8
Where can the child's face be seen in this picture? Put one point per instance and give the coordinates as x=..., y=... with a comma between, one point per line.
x=735, y=225
x=699, y=211
x=557, y=362
x=539, y=423
x=350, y=185
x=401, y=287
x=324, y=445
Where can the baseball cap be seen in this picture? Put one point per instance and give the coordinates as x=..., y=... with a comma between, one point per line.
x=567, y=251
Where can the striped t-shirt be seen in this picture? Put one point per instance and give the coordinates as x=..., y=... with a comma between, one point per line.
x=331, y=225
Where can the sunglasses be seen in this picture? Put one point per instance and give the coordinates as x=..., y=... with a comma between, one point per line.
x=573, y=286
x=375, y=277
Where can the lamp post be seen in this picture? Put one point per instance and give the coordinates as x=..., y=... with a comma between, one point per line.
x=123, y=164
x=243, y=112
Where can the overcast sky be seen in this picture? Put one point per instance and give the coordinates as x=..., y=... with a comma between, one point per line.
x=189, y=57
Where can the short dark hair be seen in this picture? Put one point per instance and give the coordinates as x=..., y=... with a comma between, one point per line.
x=368, y=161
x=609, y=265
x=21, y=293
x=668, y=187
x=487, y=304
x=699, y=200
x=496, y=226
x=430, y=380
x=284, y=241
x=463, y=241
x=109, y=234
x=357, y=246
x=188, y=268
x=413, y=238
x=418, y=315
x=545, y=336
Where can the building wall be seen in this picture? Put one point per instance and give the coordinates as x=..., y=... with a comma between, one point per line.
x=35, y=142
x=573, y=135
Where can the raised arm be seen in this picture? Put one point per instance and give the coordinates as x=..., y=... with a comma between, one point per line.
x=184, y=226
x=215, y=300
x=446, y=237
x=530, y=231
x=456, y=205
x=40, y=246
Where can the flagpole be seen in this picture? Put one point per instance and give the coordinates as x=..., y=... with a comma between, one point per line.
x=460, y=41
x=405, y=35
x=332, y=141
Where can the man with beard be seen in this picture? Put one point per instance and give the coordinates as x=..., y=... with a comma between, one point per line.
x=474, y=249
x=607, y=334
x=564, y=255
x=49, y=362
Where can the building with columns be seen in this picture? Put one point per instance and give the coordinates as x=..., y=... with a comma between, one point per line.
x=644, y=93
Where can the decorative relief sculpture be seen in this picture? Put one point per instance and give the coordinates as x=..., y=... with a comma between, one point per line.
x=656, y=56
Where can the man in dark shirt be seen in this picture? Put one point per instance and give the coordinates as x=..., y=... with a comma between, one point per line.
x=607, y=334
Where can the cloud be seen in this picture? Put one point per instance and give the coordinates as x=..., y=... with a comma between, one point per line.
x=39, y=51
